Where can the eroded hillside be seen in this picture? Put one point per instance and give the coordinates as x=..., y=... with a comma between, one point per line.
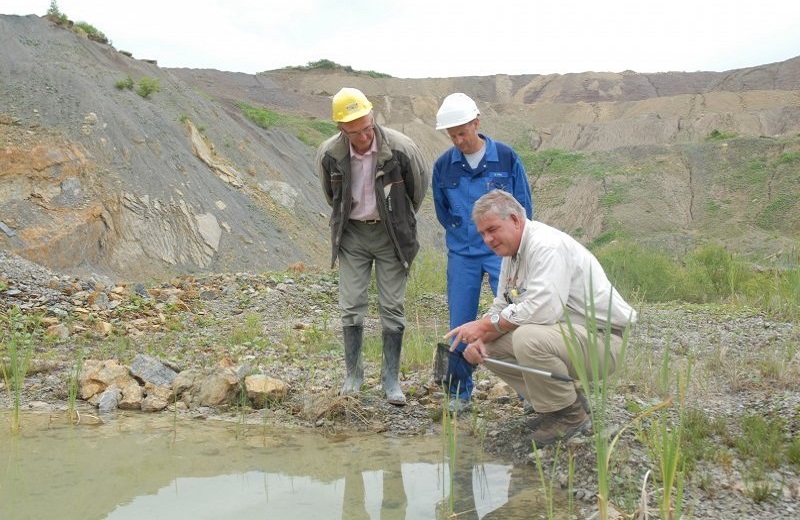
x=99, y=179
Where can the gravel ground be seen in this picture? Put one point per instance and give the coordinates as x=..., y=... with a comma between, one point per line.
x=285, y=325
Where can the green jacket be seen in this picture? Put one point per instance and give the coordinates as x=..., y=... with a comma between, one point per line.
x=401, y=181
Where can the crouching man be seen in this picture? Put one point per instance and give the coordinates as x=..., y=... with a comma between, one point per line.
x=548, y=280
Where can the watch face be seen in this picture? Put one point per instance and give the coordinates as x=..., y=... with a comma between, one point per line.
x=495, y=318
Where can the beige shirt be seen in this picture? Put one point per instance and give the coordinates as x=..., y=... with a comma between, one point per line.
x=552, y=274
x=362, y=168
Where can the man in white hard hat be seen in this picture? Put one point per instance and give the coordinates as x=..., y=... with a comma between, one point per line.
x=474, y=165
x=375, y=179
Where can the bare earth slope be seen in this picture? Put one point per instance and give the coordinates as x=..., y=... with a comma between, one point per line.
x=98, y=179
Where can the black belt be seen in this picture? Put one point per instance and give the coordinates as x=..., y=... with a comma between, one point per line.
x=370, y=222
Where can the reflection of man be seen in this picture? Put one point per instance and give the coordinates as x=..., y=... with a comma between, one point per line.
x=546, y=278
x=474, y=165
x=374, y=178
x=358, y=497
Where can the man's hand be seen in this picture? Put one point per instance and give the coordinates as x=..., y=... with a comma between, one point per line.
x=475, y=334
x=469, y=332
x=480, y=329
x=476, y=353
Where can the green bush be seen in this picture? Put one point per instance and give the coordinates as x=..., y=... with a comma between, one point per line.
x=147, y=86
x=91, y=32
x=126, y=83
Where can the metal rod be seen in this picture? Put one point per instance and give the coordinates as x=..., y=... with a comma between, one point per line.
x=530, y=370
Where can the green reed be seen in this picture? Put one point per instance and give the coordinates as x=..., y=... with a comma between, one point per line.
x=16, y=348
x=596, y=381
x=547, y=481
x=73, y=386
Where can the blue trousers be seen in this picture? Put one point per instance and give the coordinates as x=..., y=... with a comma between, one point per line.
x=464, y=280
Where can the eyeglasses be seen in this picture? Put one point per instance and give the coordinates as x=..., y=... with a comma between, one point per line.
x=364, y=131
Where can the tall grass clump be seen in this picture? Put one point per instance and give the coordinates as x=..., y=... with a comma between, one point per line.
x=548, y=481
x=16, y=351
x=777, y=290
x=593, y=369
x=714, y=274
x=426, y=283
x=645, y=274
x=427, y=275
x=710, y=274
x=667, y=447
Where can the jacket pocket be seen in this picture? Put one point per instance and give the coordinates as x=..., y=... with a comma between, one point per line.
x=499, y=181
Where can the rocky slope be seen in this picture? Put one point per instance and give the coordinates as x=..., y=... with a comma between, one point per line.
x=98, y=179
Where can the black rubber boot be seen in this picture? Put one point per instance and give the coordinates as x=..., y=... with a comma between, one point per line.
x=353, y=339
x=390, y=370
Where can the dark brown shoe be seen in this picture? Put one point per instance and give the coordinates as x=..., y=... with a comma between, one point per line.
x=561, y=425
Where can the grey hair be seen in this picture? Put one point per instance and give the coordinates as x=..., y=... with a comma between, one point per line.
x=499, y=202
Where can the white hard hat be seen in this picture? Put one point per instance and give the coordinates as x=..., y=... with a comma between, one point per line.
x=456, y=110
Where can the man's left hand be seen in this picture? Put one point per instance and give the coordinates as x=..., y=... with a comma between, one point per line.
x=467, y=333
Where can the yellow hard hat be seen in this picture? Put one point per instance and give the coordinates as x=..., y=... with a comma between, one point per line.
x=350, y=104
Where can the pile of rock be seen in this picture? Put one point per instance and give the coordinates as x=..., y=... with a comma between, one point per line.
x=151, y=385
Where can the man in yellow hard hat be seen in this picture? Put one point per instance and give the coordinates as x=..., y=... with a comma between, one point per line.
x=375, y=179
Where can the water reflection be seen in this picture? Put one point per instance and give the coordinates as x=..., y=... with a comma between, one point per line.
x=141, y=466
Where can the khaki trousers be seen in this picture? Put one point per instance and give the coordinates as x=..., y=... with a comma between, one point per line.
x=362, y=246
x=543, y=347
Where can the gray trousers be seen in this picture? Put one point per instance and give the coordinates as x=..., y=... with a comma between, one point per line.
x=543, y=347
x=362, y=246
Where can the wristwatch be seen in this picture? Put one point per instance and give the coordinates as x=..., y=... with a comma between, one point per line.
x=495, y=319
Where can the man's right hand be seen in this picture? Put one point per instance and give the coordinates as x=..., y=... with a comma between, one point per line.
x=476, y=352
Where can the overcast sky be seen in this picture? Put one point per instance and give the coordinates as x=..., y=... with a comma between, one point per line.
x=444, y=38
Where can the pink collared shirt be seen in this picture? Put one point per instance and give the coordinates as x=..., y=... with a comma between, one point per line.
x=362, y=167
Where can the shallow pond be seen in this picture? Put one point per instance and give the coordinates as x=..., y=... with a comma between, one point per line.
x=146, y=466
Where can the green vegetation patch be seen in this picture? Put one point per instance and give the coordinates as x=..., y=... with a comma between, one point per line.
x=325, y=64
x=145, y=88
x=90, y=31
x=309, y=130
x=780, y=214
x=717, y=135
x=553, y=162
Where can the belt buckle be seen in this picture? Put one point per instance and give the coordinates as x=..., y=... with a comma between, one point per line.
x=371, y=222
